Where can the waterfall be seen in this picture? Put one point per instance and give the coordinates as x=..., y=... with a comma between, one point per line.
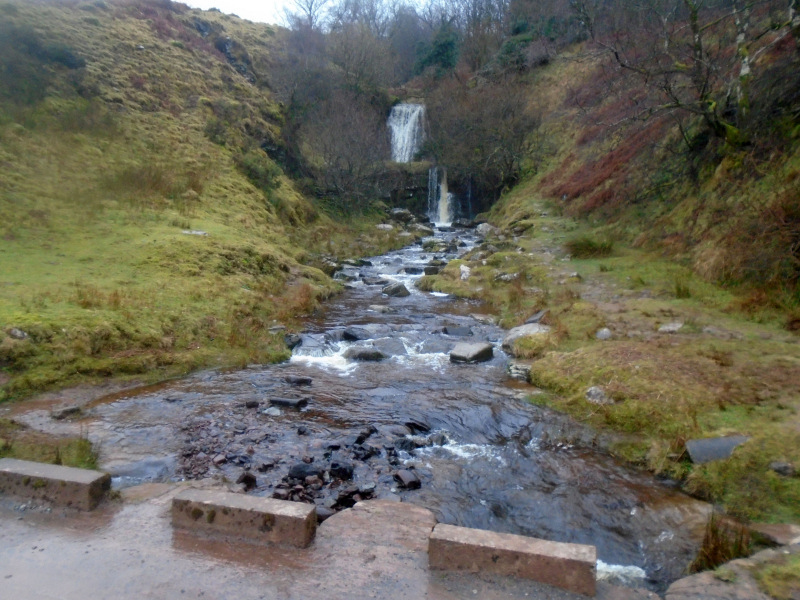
x=441, y=203
x=407, y=124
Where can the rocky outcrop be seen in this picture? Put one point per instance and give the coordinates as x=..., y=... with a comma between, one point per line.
x=528, y=330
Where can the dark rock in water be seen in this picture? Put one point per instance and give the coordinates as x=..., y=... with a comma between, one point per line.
x=297, y=380
x=341, y=469
x=248, y=480
x=66, y=412
x=365, y=434
x=364, y=354
x=432, y=270
x=281, y=494
x=302, y=430
x=390, y=346
x=457, y=331
x=782, y=468
x=302, y=470
x=402, y=215
x=405, y=444
x=374, y=281
x=438, y=439
x=464, y=223
x=408, y=479
x=355, y=334
x=289, y=402
x=471, y=353
x=292, y=340
x=396, y=290
x=417, y=426
x=413, y=270
x=710, y=449
x=365, y=451
x=252, y=404
x=266, y=466
x=324, y=513
x=436, y=346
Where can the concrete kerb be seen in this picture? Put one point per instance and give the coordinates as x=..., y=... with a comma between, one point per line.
x=568, y=566
x=255, y=519
x=58, y=485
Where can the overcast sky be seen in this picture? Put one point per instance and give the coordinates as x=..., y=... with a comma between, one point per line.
x=264, y=11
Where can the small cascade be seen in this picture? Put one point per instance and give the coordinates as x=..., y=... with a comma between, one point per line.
x=407, y=125
x=441, y=203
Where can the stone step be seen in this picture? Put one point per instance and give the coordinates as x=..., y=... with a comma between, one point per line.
x=568, y=566
x=58, y=485
x=260, y=520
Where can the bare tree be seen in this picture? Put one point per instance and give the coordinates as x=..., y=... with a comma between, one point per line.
x=306, y=13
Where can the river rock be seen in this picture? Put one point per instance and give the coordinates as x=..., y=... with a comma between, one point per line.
x=432, y=270
x=375, y=280
x=385, y=227
x=519, y=370
x=17, y=334
x=297, y=403
x=341, y=469
x=381, y=308
x=65, y=412
x=537, y=318
x=464, y=223
x=292, y=340
x=390, y=346
x=362, y=353
x=457, y=331
x=272, y=411
x=302, y=470
x=779, y=534
x=597, y=395
x=709, y=449
x=485, y=229
x=413, y=270
x=528, y=330
x=471, y=353
x=298, y=380
x=603, y=334
x=408, y=479
x=396, y=290
x=248, y=480
x=403, y=215
x=355, y=334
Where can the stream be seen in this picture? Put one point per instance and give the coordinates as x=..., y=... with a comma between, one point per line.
x=483, y=455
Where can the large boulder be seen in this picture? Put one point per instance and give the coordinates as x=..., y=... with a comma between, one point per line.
x=364, y=354
x=396, y=290
x=528, y=330
x=471, y=353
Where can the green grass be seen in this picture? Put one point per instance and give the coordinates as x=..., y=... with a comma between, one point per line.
x=19, y=442
x=780, y=578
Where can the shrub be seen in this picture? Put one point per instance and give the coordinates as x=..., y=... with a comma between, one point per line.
x=587, y=247
x=259, y=169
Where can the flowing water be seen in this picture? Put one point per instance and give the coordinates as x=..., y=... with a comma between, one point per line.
x=407, y=126
x=486, y=457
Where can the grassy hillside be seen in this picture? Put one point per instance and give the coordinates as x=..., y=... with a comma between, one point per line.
x=143, y=230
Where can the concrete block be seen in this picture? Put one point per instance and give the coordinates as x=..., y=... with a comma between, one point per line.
x=60, y=486
x=260, y=520
x=568, y=566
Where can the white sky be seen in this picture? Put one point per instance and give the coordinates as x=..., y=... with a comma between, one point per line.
x=264, y=11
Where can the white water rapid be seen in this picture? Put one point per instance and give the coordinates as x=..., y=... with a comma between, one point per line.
x=407, y=124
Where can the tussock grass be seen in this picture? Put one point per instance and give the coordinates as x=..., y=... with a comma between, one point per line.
x=723, y=541
x=17, y=441
x=780, y=579
x=586, y=246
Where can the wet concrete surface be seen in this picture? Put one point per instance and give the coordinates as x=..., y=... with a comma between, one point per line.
x=127, y=550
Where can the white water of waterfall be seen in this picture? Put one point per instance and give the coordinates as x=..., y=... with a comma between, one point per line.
x=440, y=200
x=407, y=124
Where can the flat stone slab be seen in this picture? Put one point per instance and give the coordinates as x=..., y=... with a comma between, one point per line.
x=709, y=449
x=61, y=486
x=782, y=534
x=260, y=520
x=568, y=566
x=470, y=353
x=297, y=403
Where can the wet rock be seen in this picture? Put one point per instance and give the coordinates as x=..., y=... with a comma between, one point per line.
x=390, y=346
x=435, y=346
x=355, y=334
x=465, y=272
x=597, y=395
x=402, y=215
x=298, y=380
x=464, y=223
x=471, y=353
x=219, y=459
x=528, y=330
x=302, y=470
x=417, y=426
x=361, y=353
x=375, y=281
x=782, y=468
x=437, y=439
x=364, y=451
x=281, y=494
x=302, y=430
x=779, y=534
x=413, y=270
x=248, y=480
x=380, y=308
x=432, y=270
x=252, y=404
x=408, y=479
x=396, y=290
x=66, y=412
x=519, y=370
x=603, y=334
x=292, y=340
x=673, y=327
x=537, y=318
x=272, y=411
x=341, y=469
x=266, y=466
x=296, y=403
x=404, y=444
x=710, y=449
x=457, y=331
x=365, y=434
